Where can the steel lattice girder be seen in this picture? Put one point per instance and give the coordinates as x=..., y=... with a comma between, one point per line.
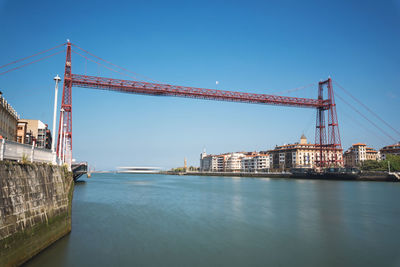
x=145, y=88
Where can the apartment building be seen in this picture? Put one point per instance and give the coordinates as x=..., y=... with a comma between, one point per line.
x=214, y=163
x=300, y=155
x=234, y=162
x=8, y=120
x=255, y=162
x=390, y=150
x=30, y=131
x=357, y=153
x=372, y=154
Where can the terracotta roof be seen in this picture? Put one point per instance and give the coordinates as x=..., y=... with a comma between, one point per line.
x=359, y=144
x=391, y=146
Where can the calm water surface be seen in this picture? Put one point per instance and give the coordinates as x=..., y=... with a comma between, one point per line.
x=158, y=220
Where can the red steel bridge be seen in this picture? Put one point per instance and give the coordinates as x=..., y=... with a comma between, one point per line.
x=327, y=136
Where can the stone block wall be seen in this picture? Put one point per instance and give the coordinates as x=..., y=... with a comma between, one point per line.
x=35, y=209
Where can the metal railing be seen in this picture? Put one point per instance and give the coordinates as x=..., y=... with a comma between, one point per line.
x=20, y=152
x=395, y=174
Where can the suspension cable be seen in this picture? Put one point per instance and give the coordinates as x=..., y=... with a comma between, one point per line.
x=29, y=63
x=42, y=52
x=294, y=89
x=348, y=115
x=108, y=62
x=308, y=125
x=153, y=80
x=356, y=110
x=367, y=108
x=98, y=63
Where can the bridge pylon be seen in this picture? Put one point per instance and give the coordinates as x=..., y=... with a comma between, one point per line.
x=327, y=139
x=64, y=145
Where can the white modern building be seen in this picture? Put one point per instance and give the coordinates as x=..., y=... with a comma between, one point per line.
x=255, y=162
x=235, y=162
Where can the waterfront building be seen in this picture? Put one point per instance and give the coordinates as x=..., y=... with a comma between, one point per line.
x=30, y=131
x=262, y=162
x=205, y=162
x=213, y=163
x=358, y=153
x=254, y=162
x=282, y=158
x=248, y=164
x=234, y=162
x=8, y=120
x=299, y=155
x=390, y=150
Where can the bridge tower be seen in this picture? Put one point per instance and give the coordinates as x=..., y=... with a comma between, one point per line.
x=64, y=140
x=327, y=139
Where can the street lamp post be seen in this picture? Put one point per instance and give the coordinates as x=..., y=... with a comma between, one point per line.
x=57, y=79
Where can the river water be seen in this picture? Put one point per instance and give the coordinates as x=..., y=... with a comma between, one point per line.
x=161, y=220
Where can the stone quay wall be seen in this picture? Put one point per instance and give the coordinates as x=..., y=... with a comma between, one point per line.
x=35, y=209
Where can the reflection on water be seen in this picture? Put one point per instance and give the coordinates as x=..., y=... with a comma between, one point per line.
x=157, y=220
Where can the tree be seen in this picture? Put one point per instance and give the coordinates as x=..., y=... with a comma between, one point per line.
x=373, y=165
x=394, y=161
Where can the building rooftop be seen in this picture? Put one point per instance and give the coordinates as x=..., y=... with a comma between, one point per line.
x=246, y=154
x=370, y=149
x=359, y=144
x=394, y=146
x=8, y=107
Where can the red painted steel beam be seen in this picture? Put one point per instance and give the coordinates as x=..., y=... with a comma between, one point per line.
x=156, y=89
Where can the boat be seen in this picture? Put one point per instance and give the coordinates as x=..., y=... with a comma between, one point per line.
x=138, y=169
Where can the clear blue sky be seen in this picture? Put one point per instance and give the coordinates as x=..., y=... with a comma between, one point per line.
x=252, y=46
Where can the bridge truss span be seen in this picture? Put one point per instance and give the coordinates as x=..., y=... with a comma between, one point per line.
x=145, y=88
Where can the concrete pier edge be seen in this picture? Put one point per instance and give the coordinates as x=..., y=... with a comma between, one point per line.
x=25, y=243
x=367, y=176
